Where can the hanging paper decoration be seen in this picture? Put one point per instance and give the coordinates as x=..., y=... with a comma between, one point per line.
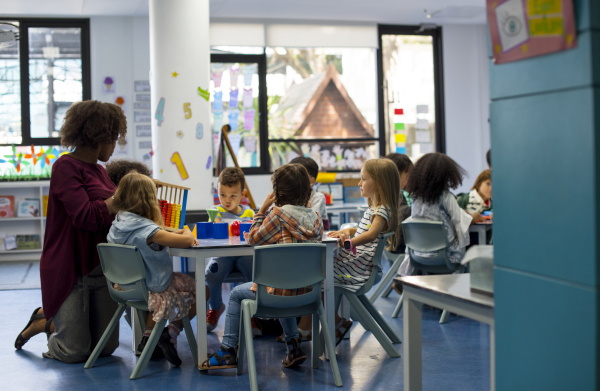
x=218, y=122
x=32, y=155
x=204, y=93
x=235, y=140
x=249, y=119
x=248, y=70
x=44, y=157
x=250, y=144
x=218, y=103
x=233, y=119
x=234, y=73
x=248, y=100
x=217, y=73
x=233, y=98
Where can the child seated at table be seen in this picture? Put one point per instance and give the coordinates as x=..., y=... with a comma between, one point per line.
x=231, y=190
x=480, y=197
x=170, y=295
x=429, y=183
x=317, y=199
x=289, y=221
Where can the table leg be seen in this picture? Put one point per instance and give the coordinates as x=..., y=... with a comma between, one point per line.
x=329, y=295
x=482, y=236
x=201, y=312
x=492, y=358
x=413, y=376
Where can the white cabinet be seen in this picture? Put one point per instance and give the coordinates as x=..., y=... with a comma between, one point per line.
x=24, y=225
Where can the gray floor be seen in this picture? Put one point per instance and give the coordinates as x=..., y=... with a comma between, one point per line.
x=19, y=275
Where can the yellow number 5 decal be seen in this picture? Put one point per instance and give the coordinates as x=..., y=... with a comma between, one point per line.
x=187, y=110
x=176, y=159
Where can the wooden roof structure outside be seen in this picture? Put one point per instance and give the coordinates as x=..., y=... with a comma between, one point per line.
x=320, y=107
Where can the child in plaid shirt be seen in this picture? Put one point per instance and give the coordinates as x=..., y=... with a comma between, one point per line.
x=289, y=221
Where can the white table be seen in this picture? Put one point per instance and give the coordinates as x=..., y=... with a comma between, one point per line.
x=341, y=208
x=451, y=292
x=209, y=248
x=481, y=229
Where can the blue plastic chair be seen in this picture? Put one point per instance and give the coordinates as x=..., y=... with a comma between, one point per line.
x=278, y=266
x=124, y=265
x=367, y=314
x=428, y=236
x=385, y=286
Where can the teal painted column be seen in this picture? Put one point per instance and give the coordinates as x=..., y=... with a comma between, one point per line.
x=545, y=127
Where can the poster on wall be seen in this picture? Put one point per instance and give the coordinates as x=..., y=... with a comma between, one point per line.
x=141, y=85
x=522, y=29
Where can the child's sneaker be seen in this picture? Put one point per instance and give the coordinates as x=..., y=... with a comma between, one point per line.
x=295, y=355
x=256, y=328
x=169, y=349
x=212, y=318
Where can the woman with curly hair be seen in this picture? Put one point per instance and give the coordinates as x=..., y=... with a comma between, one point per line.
x=429, y=183
x=76, y=304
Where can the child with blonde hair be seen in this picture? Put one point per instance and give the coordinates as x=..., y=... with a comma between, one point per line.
x=170, y=295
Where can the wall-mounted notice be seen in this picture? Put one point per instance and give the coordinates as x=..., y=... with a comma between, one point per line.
x=141, y=85
x=521, y=29
x=426, y=148
x=142, y=97
x=141, y=105
x=142, y=116
x=423, y=136
x=422, y=109
x=145, y=144
x=422, y=124
x=143, y=130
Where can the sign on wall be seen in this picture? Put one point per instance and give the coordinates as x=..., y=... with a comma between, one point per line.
x=521, y=29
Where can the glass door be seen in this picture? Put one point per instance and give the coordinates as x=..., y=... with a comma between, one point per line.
x=411, y=92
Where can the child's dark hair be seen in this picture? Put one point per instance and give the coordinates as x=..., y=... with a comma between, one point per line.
x=311, y=166
x=231, y=176
x=291, y=185
x=488, y=157
x=433, y=174
x=117, y=169
x=402, y=162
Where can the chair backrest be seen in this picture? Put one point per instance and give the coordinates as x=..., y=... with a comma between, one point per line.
x=428, y=236
x=289, y=266
x=376, y=263
x=123, y=265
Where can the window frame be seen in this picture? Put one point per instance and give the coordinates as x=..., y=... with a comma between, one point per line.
x=438, y=80
x=24, y=25
x=261, y=60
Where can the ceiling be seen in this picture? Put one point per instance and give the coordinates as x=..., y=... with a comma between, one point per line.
x=374, y=11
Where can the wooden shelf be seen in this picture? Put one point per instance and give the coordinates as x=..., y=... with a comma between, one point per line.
x=37, y=250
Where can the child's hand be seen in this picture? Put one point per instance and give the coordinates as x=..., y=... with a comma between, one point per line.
x=196, y=242
x=340, y=235
x=267, y=204
x=477, y=217
x=246, y=236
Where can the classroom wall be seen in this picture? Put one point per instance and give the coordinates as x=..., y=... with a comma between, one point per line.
x=120, y=48
x=545, y=126
x=467, y=97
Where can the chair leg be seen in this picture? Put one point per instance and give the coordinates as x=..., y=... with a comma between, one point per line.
x=330, y=348
x=141, y=316
x=369, y=321
x=379, y=319
x=250, y=346
x=385, y=281
x=387, y=291
x=444, y=317
x=241, y=344
x=316, y=342
x=189, y=333
x=355, y=316
x=107, y=333
x=398, y=307
x=148, y=349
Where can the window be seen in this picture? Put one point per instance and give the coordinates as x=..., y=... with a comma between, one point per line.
x=411, y=92
x=41, y=75
x=322, y=103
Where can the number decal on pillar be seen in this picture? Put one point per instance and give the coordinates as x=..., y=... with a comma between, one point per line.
x=187, y=110
x=176, y=159
x=159, y=111
x=199, y=132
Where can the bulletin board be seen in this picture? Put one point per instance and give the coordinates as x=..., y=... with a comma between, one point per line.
x=521, y=29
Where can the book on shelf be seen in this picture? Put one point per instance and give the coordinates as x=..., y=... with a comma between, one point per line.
x=28, y=242
x=45, y=205
x=10, y=243
x=7, y=206
x=30, y=207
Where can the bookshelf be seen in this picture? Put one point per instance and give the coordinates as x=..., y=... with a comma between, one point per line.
x=24, y=225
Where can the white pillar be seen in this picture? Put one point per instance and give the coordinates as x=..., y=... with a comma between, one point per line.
x=179, y=65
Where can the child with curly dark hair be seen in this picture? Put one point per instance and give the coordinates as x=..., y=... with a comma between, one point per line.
x=289, y=221
x=117, y=169
x=429, y=183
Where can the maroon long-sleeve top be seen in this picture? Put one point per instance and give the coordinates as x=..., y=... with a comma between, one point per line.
x=77, y=220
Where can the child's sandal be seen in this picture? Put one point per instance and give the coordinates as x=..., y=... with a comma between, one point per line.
x=224, y=358
x=341, y=329
x=304, y=336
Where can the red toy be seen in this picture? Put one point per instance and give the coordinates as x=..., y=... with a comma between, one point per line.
x=235, y=228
